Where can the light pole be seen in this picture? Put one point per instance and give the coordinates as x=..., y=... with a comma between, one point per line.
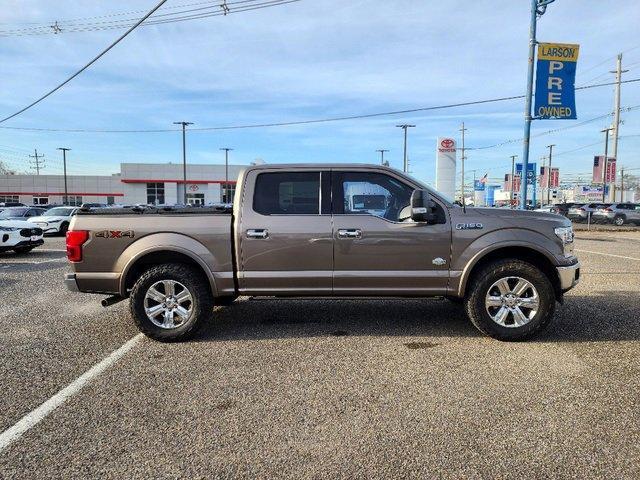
x=513, y=180
x=538, y=7
x=462, y=129
x=382, y=150
x=606, y=163
x=550, y=147
x=405, y=126
x=64, y=166
x=184, y=158
x=226, y=173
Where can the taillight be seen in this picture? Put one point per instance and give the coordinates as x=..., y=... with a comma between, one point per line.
x=608, y=210
x=75, y=240
x=582, y=210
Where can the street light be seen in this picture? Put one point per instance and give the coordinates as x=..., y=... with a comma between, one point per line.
x=382, y=150
x=226, y=173
x=184, y=158
x=64, y=163
x=405, y=126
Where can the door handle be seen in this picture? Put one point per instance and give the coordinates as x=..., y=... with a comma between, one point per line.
x=258, y=233
x=350, y=233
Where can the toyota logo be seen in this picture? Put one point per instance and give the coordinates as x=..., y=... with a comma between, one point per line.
x=446, y=143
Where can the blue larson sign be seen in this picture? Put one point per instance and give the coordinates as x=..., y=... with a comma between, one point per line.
x=555, y=81
x=531, y=172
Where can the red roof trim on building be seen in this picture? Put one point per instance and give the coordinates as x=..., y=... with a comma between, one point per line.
x=46, y=194
x=165, y=180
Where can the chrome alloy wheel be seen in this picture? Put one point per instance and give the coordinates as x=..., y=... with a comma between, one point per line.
x=512, y=302
x=168, y=304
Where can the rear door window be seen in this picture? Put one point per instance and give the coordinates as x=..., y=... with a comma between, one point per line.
x=287, y=193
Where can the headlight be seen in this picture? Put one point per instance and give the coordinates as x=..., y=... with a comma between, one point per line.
x=565, y=234
x=9, y=229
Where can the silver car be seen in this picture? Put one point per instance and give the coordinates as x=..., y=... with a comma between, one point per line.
x=618, y=214
x=581, y=213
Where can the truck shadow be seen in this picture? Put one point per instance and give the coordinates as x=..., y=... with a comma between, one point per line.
x=601, y=316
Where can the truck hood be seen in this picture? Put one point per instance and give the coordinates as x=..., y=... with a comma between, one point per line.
x=518, y=216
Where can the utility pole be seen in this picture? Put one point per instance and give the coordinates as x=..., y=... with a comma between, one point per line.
x=462, y=129
x=381, y=150
x=538, y=7
x=64, y=163
x=616, y=111
x=606, y=163
x=513, y=179
x=36, y=165
x=550, y=147
x=226, y=173
x=184, y=158
x=405, y=126
x=621, y=185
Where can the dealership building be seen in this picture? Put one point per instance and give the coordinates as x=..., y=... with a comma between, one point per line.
x=160, y=183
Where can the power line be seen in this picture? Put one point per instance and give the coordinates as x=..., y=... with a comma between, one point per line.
x=95, y=59
x=300, y=122
x=249, y=5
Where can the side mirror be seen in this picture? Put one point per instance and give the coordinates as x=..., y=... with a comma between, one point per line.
x=422, y=207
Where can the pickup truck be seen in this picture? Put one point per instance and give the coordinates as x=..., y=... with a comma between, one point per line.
x=296, y=230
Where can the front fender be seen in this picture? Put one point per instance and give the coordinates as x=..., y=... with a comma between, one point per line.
x=477, y=249
x=163, y=242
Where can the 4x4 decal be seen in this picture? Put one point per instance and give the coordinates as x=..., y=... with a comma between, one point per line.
x=115, y=234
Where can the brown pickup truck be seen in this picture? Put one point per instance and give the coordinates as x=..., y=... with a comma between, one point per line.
x=325, y=230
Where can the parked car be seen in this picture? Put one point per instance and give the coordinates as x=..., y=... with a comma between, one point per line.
x=19, y=235
x=295, y=231
x=93, y=205
x=581, y=213
x=11, y=204
x=618, y=214
x=56, y=220
x=548, y=209
x=563, y=208
x=20, y=213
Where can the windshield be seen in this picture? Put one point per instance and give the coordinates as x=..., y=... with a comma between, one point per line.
x=58, y=212
x=12, y=212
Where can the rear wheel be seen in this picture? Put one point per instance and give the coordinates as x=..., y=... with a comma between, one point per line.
x=63, y=228
x=170, y=302
x=619, y=221
x=510, y=300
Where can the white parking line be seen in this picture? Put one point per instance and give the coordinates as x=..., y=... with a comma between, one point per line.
x=48, y=250
x=608, y=254
x=35, y=416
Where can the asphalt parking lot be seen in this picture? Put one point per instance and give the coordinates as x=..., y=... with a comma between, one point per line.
x=324, y=388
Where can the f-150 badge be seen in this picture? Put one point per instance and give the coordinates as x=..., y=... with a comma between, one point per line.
x=469, y=226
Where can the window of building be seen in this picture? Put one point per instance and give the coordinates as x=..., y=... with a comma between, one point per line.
x=41, y=200
x=155, y=193
x=74, y=200
x=292, y=193
x=227, y=192
x=195, y=198
x=9, y=198
x=110, y=200
x=370, y=193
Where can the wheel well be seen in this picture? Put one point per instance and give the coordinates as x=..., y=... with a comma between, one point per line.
x=525, y=254
x=158, y=258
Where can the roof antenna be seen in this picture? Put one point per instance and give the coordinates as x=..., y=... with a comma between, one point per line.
x=464, y=206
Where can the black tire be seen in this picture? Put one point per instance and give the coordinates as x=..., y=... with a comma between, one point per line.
x=63, y=228
x=23, y=249
x=479, y=287
x=193, y=280
x=456, y=300
x=619, y=221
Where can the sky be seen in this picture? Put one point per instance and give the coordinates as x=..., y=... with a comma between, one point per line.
x=308, y=60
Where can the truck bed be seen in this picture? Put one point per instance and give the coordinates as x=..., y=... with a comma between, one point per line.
x=120, y=237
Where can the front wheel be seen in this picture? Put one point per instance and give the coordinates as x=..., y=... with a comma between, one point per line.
x=510, y=300
x=170, y=302
x=23, y=249
x=619, y=221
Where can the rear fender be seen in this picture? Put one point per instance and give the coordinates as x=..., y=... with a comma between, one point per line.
x=167, y=242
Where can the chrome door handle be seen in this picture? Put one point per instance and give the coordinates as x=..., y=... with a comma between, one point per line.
x=350, y=233
x=258, y=233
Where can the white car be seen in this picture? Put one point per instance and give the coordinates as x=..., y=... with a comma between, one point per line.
x=55, y=220
x=19, y=235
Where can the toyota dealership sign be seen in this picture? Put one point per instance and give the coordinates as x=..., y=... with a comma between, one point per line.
x=446, y=166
